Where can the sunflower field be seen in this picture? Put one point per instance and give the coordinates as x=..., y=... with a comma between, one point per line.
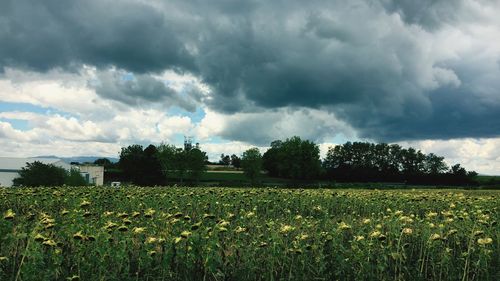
x=167, y=233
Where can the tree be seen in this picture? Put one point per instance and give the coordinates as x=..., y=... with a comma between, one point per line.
x=251, y=162
x=166, y=154
x=293, y=158
x=236, y=161
x=105, y=162
x=141, y=167
x=74, y=178
x=40, y=174
x=151, y=168
x=188, y=162
x=196, y=163
x=435, y=165
x=225, y=160
x=272, y=160
x=458, y=171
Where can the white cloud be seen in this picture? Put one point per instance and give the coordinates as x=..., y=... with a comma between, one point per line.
x=480, y=155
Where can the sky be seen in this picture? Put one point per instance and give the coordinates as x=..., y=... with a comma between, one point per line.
x=87, y=77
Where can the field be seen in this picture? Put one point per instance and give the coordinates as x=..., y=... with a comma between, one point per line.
x=133, y=233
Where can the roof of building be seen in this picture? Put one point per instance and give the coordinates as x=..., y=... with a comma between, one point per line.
x=14, y=163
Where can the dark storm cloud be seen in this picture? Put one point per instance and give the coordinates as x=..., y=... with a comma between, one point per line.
x=128, y=34
x=427, y=13
x=380, y=65
x=142, y=89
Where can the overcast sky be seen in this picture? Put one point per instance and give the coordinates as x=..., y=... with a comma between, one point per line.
x=87, y=77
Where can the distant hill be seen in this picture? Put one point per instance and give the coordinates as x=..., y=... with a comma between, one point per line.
x=80, y=159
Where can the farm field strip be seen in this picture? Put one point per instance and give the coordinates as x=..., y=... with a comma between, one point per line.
x=166, y=233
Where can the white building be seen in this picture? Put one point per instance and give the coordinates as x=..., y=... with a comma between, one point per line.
x=10, y=167
x=93, y=174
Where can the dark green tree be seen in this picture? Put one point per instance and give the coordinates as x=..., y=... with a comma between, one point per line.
x=188, y=163
x=74, y=178
x=40, y=174
x=225, y=160
x=251, y=162
x=196, y=163
x=236, y=161
x=272, y=160
x=141, y=167
x=293, y=158
x=435, y=165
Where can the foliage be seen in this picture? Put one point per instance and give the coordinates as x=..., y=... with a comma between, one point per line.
x=293, y=158
x=182, y=163
x=74, y=178
x=141, y=167
x=236, y=161
x=40, y=174
x=225, y=160
x=106, y=163
x=363, y=161
x=196, y=163
x=134, y=233
x=251, y=162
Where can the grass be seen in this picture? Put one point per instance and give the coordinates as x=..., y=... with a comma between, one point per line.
x=133, y=233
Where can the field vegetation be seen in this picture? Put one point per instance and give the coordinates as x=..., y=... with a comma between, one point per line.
x=136, y=233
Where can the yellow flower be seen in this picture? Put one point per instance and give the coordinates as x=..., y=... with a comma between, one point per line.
x=407, y=231
x=221, y=229
x=149, y=213
x=375, y=234
x=240, y=229
x=138, y=230
x=73, y=278
x=286, y=228
x=185, y=234
x=484, y=241
x=478, y=233
x=50, y=243
x=366, y=221
x=151, y=240
x=223, y=223
x=39, y=237
x=344, y=226
x=431, y=215
x=359, y=238
x=250, y=215
x=9, y=215
x=196, y=226
x=302, y=236
x=122, y=228
x=109, y=225
x=435, y=236
x=78, y=236
x=84, y=203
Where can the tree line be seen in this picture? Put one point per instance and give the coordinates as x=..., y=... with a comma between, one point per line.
x=39, y=174
x=294, y=159
x=382, y=162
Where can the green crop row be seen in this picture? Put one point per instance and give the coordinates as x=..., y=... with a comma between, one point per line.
x=134, y=233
